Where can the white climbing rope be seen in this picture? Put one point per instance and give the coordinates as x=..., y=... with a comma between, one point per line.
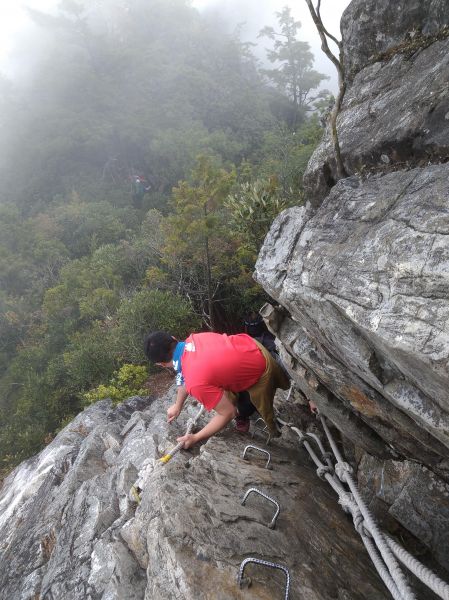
x=384, y=574
x=429, y=578
x=344, y=473
x=382, y=549
x=321, y=469
x=387, y=555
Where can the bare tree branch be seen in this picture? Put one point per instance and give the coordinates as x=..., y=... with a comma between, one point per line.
x=338, y=62
x=329, y=35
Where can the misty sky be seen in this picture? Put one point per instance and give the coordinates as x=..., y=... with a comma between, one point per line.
x=16, y=30
x=255, y=14
x=14, y=24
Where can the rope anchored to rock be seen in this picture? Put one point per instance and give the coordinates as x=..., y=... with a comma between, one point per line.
x=382, y=549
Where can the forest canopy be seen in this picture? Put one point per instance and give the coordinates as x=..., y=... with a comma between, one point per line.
x=141, y=166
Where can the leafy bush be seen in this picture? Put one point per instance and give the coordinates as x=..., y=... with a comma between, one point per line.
x=146, y=311
x=252, y=208
x=88, y=358
x=128, y=381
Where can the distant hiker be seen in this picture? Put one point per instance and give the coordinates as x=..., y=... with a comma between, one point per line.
x=138, y=190
x=234, y=375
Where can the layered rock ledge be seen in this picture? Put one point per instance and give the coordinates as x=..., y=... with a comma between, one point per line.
x=395, y=112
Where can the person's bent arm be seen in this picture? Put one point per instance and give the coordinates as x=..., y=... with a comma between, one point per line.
x=225, y=410
x=174, y=410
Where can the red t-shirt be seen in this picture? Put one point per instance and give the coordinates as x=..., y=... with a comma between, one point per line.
x=214, y=362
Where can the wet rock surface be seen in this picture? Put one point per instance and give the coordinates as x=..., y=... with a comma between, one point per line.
x=68, y=529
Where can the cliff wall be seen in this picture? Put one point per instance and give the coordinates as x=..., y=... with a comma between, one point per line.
x=362, y=271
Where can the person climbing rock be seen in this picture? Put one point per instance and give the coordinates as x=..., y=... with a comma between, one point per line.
x=255, y=327
x=233, y=375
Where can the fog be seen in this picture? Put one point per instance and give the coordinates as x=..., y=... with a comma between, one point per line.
x=21, y=41
x=253, y=15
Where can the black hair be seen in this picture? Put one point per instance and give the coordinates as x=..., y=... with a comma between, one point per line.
x=158, y=346
x=254, y=324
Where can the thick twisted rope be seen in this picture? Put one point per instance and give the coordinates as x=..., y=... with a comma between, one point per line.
x=384, y=556
x=381, y=543
x=437, y=585
x=379, y=564
x=429, y=578
x=344, y=473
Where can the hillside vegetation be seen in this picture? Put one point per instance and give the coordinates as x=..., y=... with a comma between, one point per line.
x=141, y=166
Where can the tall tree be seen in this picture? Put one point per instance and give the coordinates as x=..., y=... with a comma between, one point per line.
x=198, y=250
x=293, y=74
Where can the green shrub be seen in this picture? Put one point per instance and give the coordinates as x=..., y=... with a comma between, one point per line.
x=149, y=310
x=88, y=358
x=127, y=381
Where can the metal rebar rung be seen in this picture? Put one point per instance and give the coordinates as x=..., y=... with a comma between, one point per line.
x=262, y=429
x=272, y=523
x=258, y=427
x=267, y=466
x=265, y=563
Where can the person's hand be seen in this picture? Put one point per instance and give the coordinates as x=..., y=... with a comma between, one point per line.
x=313, y=407
x=172, y=413
x=188, y=440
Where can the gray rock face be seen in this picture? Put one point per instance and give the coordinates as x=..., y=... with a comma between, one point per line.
x=374, y=261
x=395, y=112
x=362, y=272
x=413, y=496
x=365, y=281
x=68, y=530
x=371, y=27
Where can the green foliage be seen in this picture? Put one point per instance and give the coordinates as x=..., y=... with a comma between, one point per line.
x=293, y=76
x=145, y=311
x=142, y=89
x=253, y=207
x=128, y=381
x=87, y=226
x=198, y=249
x=285, y=154
x=88, y=357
